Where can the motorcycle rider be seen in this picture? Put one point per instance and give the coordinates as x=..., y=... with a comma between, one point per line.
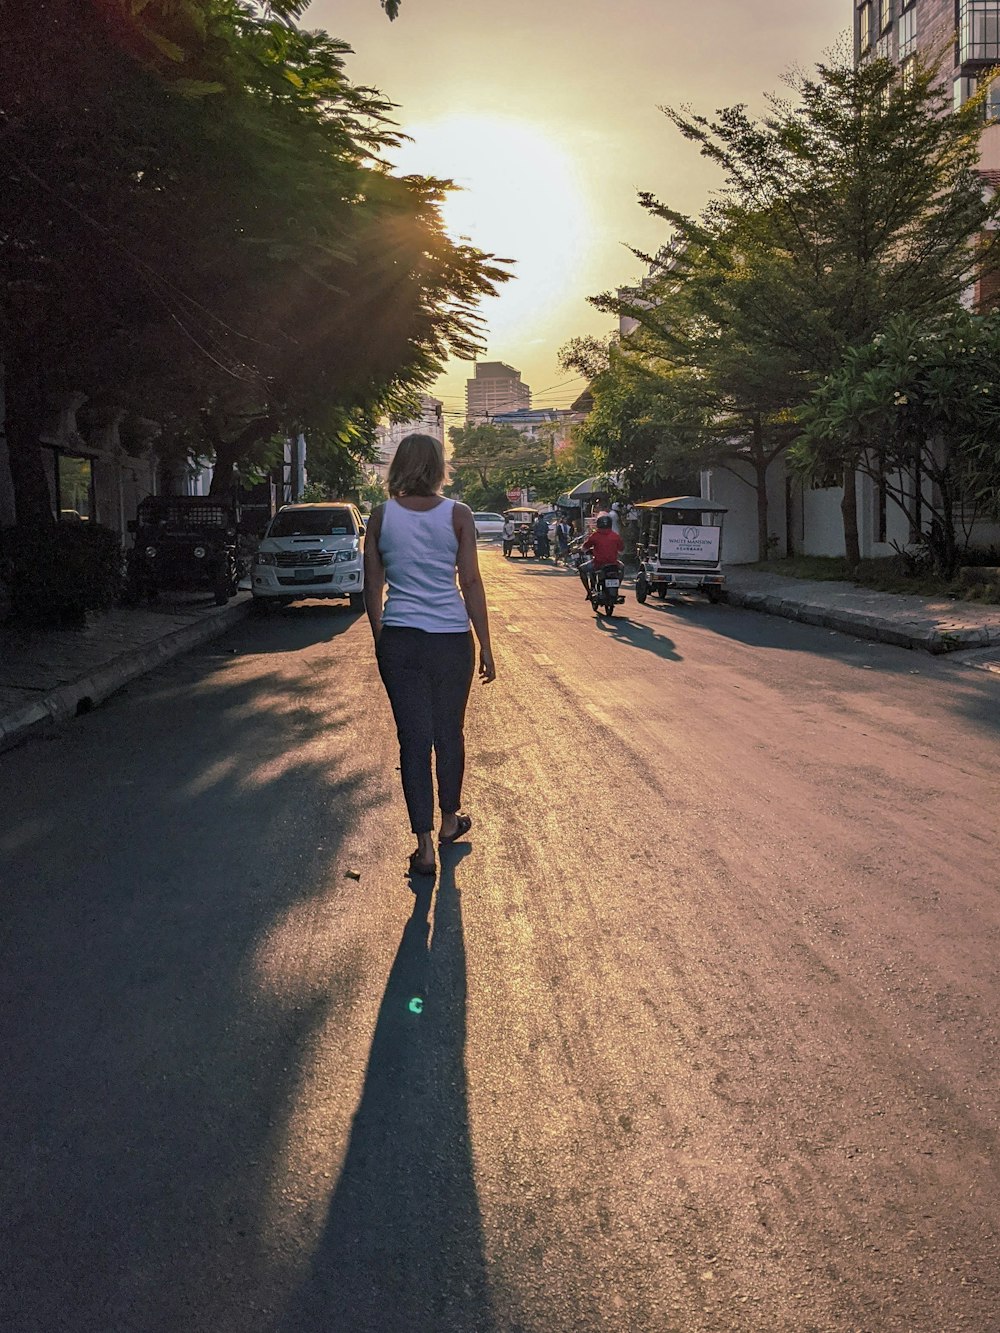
x=603, y=547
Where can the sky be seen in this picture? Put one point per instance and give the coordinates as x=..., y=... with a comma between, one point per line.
x=546, y=113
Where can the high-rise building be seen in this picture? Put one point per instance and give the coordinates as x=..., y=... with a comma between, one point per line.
x=495, y=388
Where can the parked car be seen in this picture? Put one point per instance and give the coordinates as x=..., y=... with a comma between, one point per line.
x=488, y=525
x=310, y=550
x=184, y=541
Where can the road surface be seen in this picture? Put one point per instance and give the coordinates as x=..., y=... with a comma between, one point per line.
x=699, y=1031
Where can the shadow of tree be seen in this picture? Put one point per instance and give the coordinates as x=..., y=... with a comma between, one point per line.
x=148, y=1063
x=402, y=1248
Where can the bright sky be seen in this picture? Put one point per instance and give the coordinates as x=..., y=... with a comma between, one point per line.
x=546, y=113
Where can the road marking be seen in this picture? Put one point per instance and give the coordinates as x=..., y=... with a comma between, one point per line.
x=541, y=659
x=514, y=629
x=604, y=718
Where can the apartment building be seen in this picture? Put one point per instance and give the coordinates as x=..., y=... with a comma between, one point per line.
x=966, y=33
x=388, y=434
x=495, y=388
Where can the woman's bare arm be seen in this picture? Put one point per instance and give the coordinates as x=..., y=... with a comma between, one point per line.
x=471, y=583
x=374, y=573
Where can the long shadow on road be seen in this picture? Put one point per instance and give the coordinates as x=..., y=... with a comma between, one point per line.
x=402, y=1248
x=147, y=1060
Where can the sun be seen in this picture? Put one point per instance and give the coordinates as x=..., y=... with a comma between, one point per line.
x=519, y=195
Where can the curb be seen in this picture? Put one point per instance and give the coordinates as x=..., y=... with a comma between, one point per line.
x=926, y=636
x=80, y=696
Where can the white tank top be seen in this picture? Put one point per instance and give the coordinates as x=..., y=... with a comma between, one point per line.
x=419, y=550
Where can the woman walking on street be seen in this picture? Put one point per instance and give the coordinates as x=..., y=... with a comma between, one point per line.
x=415, y=543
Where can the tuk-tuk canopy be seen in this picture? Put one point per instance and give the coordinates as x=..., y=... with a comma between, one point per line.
x=689, y=502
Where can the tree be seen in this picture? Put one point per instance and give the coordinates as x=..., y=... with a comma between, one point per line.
x=856, y=202
x=197, y=220
x=682, y=393
x=488, y=457
x=921, y=406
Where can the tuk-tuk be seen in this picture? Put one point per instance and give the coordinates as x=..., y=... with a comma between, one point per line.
x=680, y=546
x=523, y=517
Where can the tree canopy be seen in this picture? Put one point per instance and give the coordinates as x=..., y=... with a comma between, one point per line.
x=852, y=202
x=921, y=406
x=199, y=222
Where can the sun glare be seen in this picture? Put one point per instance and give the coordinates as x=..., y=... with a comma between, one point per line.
x=519, y=196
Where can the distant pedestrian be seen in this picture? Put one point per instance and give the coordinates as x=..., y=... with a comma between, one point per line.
x=562, y=540
x=415, y=543
x=540, y=532
x=509, y=533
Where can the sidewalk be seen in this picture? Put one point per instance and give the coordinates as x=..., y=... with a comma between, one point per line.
x=49, y=676
x=933, y=625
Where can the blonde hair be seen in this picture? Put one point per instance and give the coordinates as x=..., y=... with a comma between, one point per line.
x=418, y=466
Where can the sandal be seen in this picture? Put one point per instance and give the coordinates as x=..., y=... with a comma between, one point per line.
x=462, y=828
x=418, y=867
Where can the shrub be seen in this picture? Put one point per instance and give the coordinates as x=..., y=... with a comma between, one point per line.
x=55, y=576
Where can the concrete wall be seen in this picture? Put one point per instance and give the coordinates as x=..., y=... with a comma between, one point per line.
x=818, y=527
x=729, y=485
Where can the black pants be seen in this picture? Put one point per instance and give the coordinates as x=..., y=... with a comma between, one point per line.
x=427, y=678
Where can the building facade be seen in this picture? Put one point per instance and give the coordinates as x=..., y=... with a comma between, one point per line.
x=551, y=424
x=494, y=389
x=965, y=33
x=389, y=433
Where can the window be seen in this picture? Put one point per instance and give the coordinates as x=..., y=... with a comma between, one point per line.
x=865, y=26
x=75, y=488
x=884, y=15
x=968, y=85
x=978, y=30
x=296, y=521
x=907, y=32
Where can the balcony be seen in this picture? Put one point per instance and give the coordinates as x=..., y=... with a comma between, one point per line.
x=979, y=32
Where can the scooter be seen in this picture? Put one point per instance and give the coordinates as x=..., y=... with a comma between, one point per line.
x=607, y=581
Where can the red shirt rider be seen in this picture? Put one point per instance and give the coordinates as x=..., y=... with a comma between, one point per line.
x=605, y=545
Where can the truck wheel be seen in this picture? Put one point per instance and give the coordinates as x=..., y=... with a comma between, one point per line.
x=357, y=600
x=641, y=587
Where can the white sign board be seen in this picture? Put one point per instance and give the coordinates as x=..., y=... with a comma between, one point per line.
x=689, y=543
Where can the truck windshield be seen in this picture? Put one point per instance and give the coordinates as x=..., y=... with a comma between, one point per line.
x=312, y=523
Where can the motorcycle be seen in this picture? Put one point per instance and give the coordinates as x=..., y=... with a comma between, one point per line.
x=607, y=581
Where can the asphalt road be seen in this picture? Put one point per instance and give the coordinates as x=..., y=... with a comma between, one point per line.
x=699, y=1031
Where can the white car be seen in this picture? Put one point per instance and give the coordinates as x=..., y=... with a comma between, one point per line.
x=310, y=550
x=488, y=525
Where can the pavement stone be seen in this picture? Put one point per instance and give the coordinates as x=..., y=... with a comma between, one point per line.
x=48, y=677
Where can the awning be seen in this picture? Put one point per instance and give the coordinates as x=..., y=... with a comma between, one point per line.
x=595, y=486
x=685, y=502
